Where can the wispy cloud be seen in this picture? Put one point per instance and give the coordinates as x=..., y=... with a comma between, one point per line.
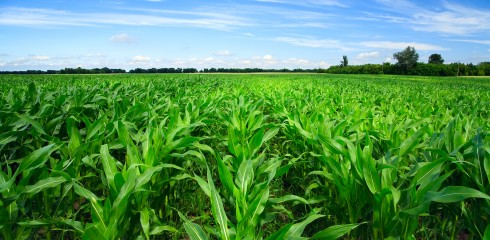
x=486, y=42
x=224, y=53
x=93, y=60
x=307, y=2
x=140, y=58
x=122, y=38
x=39, y=58
x=397, y=4
x=401, y=45
x=313, y=42
x=451, y=18
x=50, y=17
x=367, y=55
x=31, y=60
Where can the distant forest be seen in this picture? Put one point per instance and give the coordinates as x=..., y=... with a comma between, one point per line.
x=421, y=69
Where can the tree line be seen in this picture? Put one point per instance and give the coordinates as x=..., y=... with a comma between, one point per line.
x=161, y=70
x=407, y=64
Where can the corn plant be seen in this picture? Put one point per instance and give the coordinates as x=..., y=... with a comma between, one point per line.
x=290, y=156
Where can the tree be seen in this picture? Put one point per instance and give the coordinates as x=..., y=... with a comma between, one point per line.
x=436, y=59
x=344, y=61
x=407, y=59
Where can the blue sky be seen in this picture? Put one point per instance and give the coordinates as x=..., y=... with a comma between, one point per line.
x=54, y=34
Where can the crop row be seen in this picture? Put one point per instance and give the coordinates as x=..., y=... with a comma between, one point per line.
x=244, y=157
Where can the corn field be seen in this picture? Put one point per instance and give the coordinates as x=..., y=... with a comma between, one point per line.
x=285, y=156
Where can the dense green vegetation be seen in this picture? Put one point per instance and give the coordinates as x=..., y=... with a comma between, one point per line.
x=419, y=69
x=244, y=156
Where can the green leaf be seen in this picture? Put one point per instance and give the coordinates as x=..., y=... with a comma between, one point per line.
x=145, y=222
x=120, y=204
x=109, y=165
x=455, y=194
x=225, y=175
x=35, y=223
x=34, y=160
x=244, y=176
x=95, y=127
x=182, y=142
x=44, y=184
x=204, y=185
x=257, y=207
x=256, y=141
x=159, y=229
x=32, y=122
x=270, y=134
x=409, y=143
x=332, y=145
x=85, y=193
x=32, y=90
x=8, y=137
x=288, y=198
x=426, y=174
x=92, y=232
x=334, y=232
x=194, y=231
x=123, y=134
x=146, y=176
x=78, y=226
x=74, y=135
x=371, y=176
x=486, y=235
x=279, y=234
x=486, y=162
x=218, y=209
x=297, y=229
x=97, y=211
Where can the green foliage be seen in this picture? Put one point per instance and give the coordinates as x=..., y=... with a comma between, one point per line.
x=344, y=62
x=284, y=156
x=436, y=58
x=407, y=59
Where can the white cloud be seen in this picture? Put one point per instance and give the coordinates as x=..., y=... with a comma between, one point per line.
x=451, y=18
x=313, y=42
x=367, y=55
x=397, y=3
x=141, y=61
x=296, y=61
x=268, y=57
x=401, y=45
x=307, y=2
x=455, y=19
x=224, y=53
x=95, y=55
x=122, y=38
x=486, y=42
x=140, y=58
x=153, y=0
x=39, y=58
x=49, y=17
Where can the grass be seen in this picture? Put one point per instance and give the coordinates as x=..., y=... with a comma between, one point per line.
x=244, y=156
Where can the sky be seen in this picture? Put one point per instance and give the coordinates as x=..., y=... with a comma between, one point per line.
x=55, y=34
